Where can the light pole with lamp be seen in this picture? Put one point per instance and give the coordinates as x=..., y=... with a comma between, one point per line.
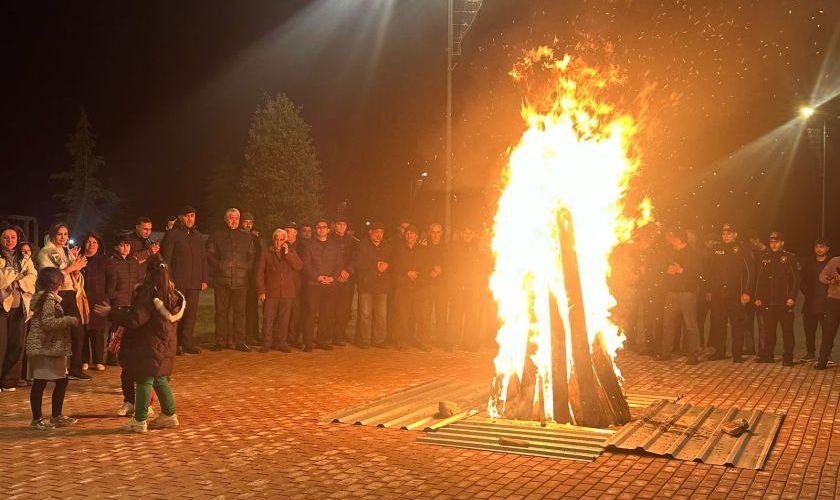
x=808, y=112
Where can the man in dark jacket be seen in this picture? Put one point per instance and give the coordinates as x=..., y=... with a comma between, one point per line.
x=438, y=298
x=373, y=282
x=252, y=324
x=345, y=285
x=183, y=250
x=141, y=246
x=411, y=269
x=322, y=267
x=681, y=281
x=230, y=253
x=730, y=279
x=776, y=286
x=815, y=308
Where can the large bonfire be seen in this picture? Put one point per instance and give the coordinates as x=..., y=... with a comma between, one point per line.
x=561, y=214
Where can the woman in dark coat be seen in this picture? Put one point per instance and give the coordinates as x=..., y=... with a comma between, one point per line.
x=148, y=345
x=93, y=353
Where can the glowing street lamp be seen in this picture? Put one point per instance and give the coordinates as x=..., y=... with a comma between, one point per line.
x=808, y=112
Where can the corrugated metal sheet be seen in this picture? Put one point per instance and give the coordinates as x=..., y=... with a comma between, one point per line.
x=643, y=399
x=688, y=432
x=416, y=407
x=523, y=438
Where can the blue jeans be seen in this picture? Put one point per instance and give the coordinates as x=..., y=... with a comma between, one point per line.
x=373, y=308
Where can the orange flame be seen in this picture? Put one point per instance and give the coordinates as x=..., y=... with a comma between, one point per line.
x=576, y=154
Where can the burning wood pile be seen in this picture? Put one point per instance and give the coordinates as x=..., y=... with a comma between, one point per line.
x=560, y=215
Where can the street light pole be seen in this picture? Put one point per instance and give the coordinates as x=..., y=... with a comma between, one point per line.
x=823, y=169
x=807, y=112
x=447, y=204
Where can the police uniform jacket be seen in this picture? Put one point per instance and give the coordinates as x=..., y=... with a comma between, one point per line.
x=777, y=278
x=731, y=270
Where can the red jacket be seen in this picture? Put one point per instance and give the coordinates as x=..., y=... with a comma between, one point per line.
x=277, y=274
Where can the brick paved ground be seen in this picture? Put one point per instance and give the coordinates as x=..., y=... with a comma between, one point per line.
x=252, y=427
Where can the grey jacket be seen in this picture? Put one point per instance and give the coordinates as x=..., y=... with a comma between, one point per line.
x=49, y=333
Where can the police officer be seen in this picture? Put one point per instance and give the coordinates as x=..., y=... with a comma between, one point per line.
x=730, y=279
x=776, y=286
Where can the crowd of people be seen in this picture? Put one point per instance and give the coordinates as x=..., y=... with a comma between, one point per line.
x=665, y=294
x=140, y=297
x=61, y=304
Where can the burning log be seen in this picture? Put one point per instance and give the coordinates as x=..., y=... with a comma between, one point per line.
x=595, y=394
x=559, y=375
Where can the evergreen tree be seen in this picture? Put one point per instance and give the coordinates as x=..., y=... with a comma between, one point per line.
x=224, y=188
x=281, y=179
x=89, y=205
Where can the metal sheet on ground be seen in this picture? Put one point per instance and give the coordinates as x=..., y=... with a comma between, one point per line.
x=688, y=432
x=415, y=408
x=523, y=438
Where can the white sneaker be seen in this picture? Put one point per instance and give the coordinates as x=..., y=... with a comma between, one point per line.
x=126, y=410
x=85, y=367
x=9, y=389
x=134, y=426
x=100, y=367
x=165, y=422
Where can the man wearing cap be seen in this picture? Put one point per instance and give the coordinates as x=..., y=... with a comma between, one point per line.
x=252, y=326
x=230, y=253
x=776, y=286
x=371, y=262
x=814, y=308
x=830, y=275
x=345, y=285
x=322, y=267
x=411, y=273
x=182, y=248
x=730, y=280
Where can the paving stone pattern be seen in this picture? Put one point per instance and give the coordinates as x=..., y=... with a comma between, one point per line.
x=252, y=426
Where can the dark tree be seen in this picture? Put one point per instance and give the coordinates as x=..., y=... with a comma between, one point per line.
x=88, y=204
x=281, y=179
x=224, y=188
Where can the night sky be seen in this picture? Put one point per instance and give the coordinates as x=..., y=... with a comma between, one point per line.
x=170, y=87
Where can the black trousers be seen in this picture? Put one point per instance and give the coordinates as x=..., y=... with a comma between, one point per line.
x=830, y=330
x=12, y=333
x=252, y=324
x=810, y=322
x=320, y=308
x=230, y=315
x=94, y=346
x=769, y=317
x=186, y=327
x=77, y=333
x=726, y=309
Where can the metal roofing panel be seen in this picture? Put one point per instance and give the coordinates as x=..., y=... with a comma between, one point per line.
x=688, y=432
x=523, y=438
